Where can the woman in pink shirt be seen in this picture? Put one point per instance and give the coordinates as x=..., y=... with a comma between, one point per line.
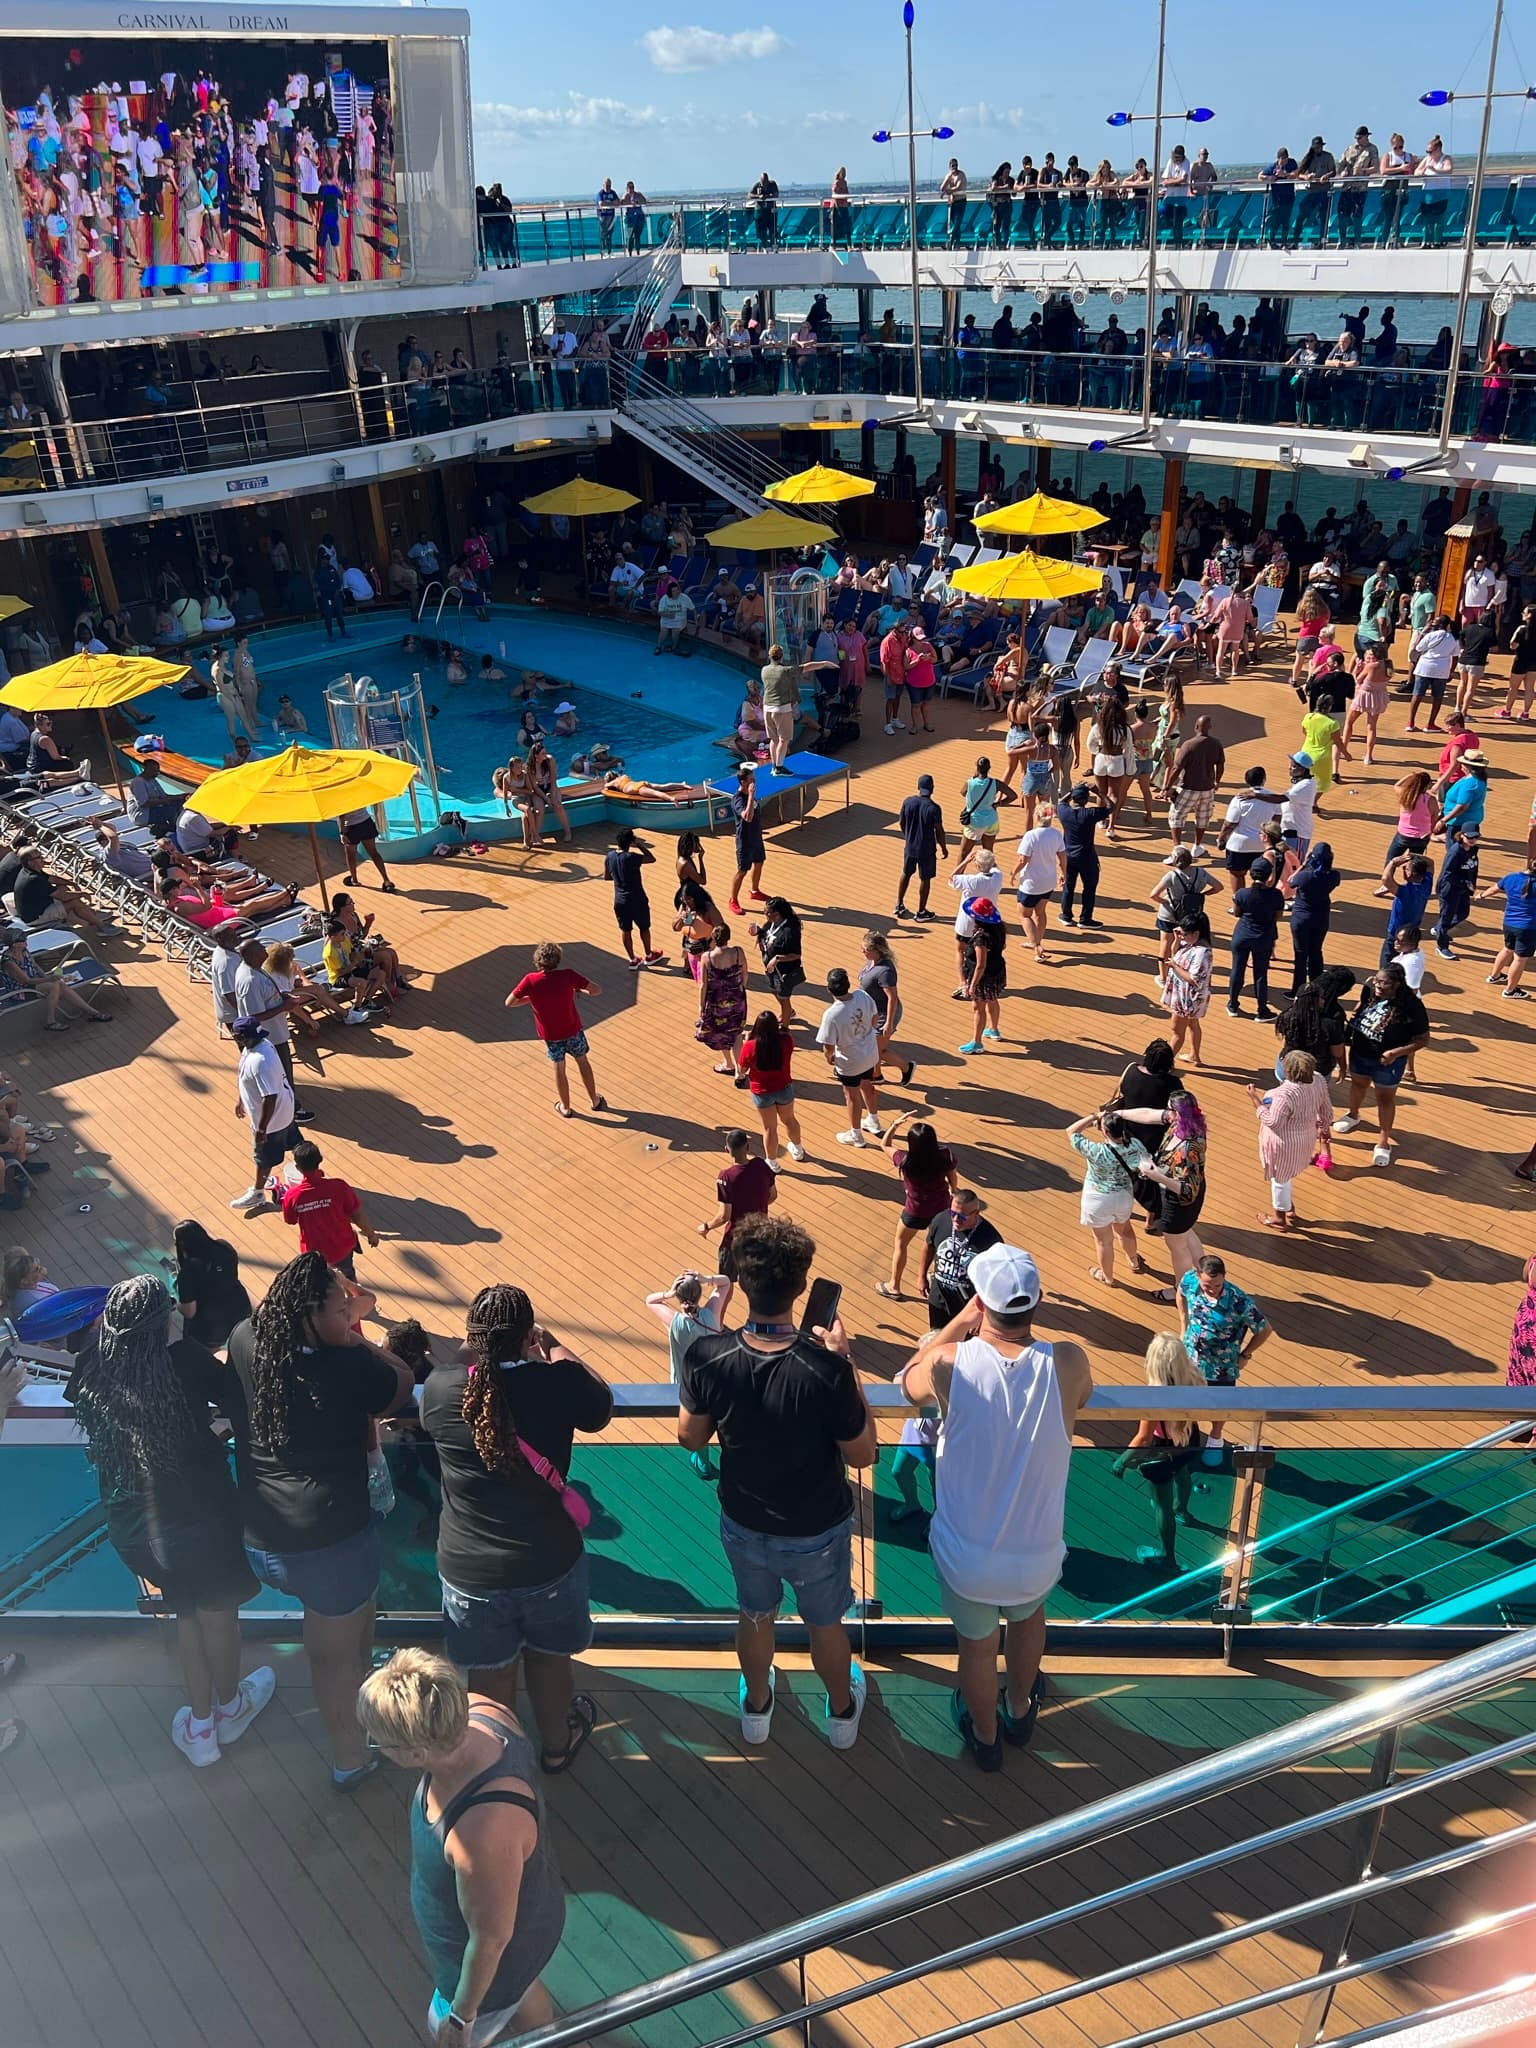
x=852, y=661
x=1293, y=1129
x=922, y=675
x=208, y=909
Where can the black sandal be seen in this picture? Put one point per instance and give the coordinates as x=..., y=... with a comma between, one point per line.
x=581, y=1720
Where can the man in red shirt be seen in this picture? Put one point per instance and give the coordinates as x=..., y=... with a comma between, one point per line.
x=893, y=666
x=550, y=992
x=747, y=1187
x=328, y=1212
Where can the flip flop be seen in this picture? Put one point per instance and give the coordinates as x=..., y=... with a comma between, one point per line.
x=581, y=1720
x=562, y=1110
x=1138, y=1264
x=1098, y=1273
x=889, y=1293
x=1166, y=1294
x=11, y=1733
x=10, y=1664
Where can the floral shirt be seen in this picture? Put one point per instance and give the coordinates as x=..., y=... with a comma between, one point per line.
x=1111, y=1167
x=1216, y=1329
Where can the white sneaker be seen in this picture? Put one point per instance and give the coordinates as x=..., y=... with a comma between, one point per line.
x=772, y=1165
x=251, y=1199
x=797, y=1153
x=890, y=728
x=755, y=1727
x=1381, y=1155
x=199, y=1746
x=843, y=1734
x=1343, y=1125
x=252, y=1694
x=360, y=1016
x=872, y=1125
x=1202, y=853
x=84, y=765
x=843, y=1138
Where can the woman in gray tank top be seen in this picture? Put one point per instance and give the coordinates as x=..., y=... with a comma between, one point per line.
x=479, y=1838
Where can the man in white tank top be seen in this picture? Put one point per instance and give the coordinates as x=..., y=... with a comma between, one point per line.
x=1007, y=1405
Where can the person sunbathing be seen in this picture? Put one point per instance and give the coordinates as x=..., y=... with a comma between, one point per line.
x=208, y=908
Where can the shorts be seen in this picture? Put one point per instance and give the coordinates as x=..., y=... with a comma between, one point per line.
x=925, y=866
x=1143, y=765
x=1380, y=1073
x=1217, y=1375
x=1039, y=779
x=1032, y=899
x=1472, y=673
x=979, y=829
x=488, y=1631
x=911, y=1222
x=1102, y=1206
x=557, y=1049
x=978, y=1619
x=1192, y=807
x=858, y=1080
x=1240, y=863
x=751, y=851
x=1174, y=1217
x=361, y=832
x=1113, y=765
x=630, y=911
x=1432, y=687
x=1521, y=943
x=776, y=1098
x=335, y=1580
x=274, y=1148
x=818, y=1570
x=196, y=1563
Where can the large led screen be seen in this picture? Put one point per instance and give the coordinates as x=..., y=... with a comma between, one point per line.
x=173, y=164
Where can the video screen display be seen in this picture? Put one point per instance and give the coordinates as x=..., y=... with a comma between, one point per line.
x=177, y=164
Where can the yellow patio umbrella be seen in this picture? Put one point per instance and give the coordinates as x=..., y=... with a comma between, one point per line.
x=1025, y=575
x=91, y=682
x=303, y=786
x=1040, y=514
x=580, y=499
x=769, y=531
x=820, y=485
x=10, y=606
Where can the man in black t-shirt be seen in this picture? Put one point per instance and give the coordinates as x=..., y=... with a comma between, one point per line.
x=922, y=841
x=790, y=1417
x=954, y=1238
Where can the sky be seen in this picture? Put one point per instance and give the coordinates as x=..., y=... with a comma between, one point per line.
x=565, y=94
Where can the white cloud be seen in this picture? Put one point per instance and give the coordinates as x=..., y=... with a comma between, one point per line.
x=983, y=115
x=706, y=49
x=508, y=123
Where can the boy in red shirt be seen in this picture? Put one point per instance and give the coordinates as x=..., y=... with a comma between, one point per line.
x=550, y=992
x=328, y=1212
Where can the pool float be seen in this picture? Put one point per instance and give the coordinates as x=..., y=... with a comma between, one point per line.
x=60, y=1315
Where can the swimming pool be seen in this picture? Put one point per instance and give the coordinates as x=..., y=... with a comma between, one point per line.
x=658, y=713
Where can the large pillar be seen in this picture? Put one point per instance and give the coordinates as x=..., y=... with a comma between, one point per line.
x=378, y=526
x=1260, y=512
x=947, y=471
x=101, y=568
x=1168, y=524
x=1042, y=467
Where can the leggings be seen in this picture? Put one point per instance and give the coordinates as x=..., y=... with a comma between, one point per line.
x=1257, y=953
x=1084, y=869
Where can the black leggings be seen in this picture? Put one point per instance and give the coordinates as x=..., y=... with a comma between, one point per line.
x=1257, y=953
x=1307, y=936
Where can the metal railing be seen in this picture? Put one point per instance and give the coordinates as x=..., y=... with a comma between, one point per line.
x=1376, y=213
x=1378, y=1718
x=668, y=419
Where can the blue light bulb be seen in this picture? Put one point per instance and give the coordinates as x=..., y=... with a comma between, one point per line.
x=908, y=14
x=882, y=135
x=1118, y=120
x=1201, y=114
x=943, y=134
x=1435, y=99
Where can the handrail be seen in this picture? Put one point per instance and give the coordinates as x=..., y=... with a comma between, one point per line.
x=1432, y=1692
x=649, y=396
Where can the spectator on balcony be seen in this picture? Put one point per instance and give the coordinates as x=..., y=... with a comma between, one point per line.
x=765, y=200
x=1281, y=196
x=952, y=188
x=1434, y=202
x=1000, y=200
x=607, y=204
x=1359, y=163
x=633, y=204
x=1397, y=167
x=1316, y=171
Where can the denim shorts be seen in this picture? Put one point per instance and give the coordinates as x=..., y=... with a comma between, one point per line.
x=774, y=1098
x=484, y=1631
x=819, y=1569
x=557, y=1048
x=1380, y=1073
x=335, y=1580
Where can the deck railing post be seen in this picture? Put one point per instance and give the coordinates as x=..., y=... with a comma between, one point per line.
x=1334, y=1949
x=1251, y=1464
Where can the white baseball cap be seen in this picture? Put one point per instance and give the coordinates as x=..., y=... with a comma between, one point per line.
x=1006, y=1280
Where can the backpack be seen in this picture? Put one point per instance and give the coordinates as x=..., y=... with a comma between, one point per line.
x=1182, y=896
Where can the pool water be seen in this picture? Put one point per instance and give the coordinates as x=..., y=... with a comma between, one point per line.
x=658, y=713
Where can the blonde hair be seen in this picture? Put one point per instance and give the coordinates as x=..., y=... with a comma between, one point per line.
x=417, y=1702
x=279, y=959
x=1170, y=1365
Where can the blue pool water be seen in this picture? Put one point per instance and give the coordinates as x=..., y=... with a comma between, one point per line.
x=659, y=714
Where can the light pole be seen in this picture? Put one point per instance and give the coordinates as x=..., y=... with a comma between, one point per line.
x=909, y=136
x=1474, y=200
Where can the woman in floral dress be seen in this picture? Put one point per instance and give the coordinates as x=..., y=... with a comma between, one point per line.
x=1187, y=989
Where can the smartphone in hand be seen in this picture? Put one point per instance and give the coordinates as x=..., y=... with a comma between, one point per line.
x=821, y=1306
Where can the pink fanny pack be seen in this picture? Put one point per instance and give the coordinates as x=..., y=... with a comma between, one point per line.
x=570, y=1499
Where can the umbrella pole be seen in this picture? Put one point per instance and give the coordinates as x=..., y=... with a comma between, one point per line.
x=113, y=762
x=314, y=847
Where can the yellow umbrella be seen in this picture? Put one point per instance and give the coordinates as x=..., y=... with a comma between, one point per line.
x=770, y=530
x=10, y=606
x=1025, y=575
x=580, y=498
x=820, y=485
x=1040, y=514
x=303, y=786
x=91, y=682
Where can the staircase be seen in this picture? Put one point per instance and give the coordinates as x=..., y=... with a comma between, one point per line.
x=673, y=426
x=659, y=289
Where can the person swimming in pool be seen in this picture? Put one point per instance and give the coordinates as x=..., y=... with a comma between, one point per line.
x=529, y=684
x=597, y=760
x=489, y=672
x=457, y=672
x=566, y=721
x=529, y=728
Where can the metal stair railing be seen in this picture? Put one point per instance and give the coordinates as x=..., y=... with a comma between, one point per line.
x=738, y=471
x=1378, y=1717
x=663, y=276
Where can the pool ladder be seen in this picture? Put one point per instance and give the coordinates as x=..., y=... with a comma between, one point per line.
x=445, y=594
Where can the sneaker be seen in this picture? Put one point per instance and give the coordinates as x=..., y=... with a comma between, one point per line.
x=303, y=1116
x=1019, y=1731
x=990, y=1033
x=1202, y=853
x=1092, y=924
x=755, y=1727
x=1170, y=860
x=736, y=909
x=1265, y=1016
x=251, y=1199
x=797, y=1153
x=925, y=916
x=1343, y=1125
x=1445, y=952
x=1067, y=917
x=852, y=1138
x=1381, y=1155
x=361, y=1016
x=843, y=1729
x=890, y=728
x=251, y=1695
x=758, y=896
x=772, y=1165
x=1516, y=995
x=988, y=1755
x=200, y=1746
x=972, y=1045
x=901, y=910
x=872, y=1125
x=635, y=966
x=1233, y=1010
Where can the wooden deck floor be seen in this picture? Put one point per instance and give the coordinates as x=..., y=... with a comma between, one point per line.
x=145, y=1905
x=444, y=1118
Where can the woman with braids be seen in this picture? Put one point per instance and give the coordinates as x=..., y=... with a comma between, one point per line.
x=307, y=1389
x=146, y=1403
x=509, y=1547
